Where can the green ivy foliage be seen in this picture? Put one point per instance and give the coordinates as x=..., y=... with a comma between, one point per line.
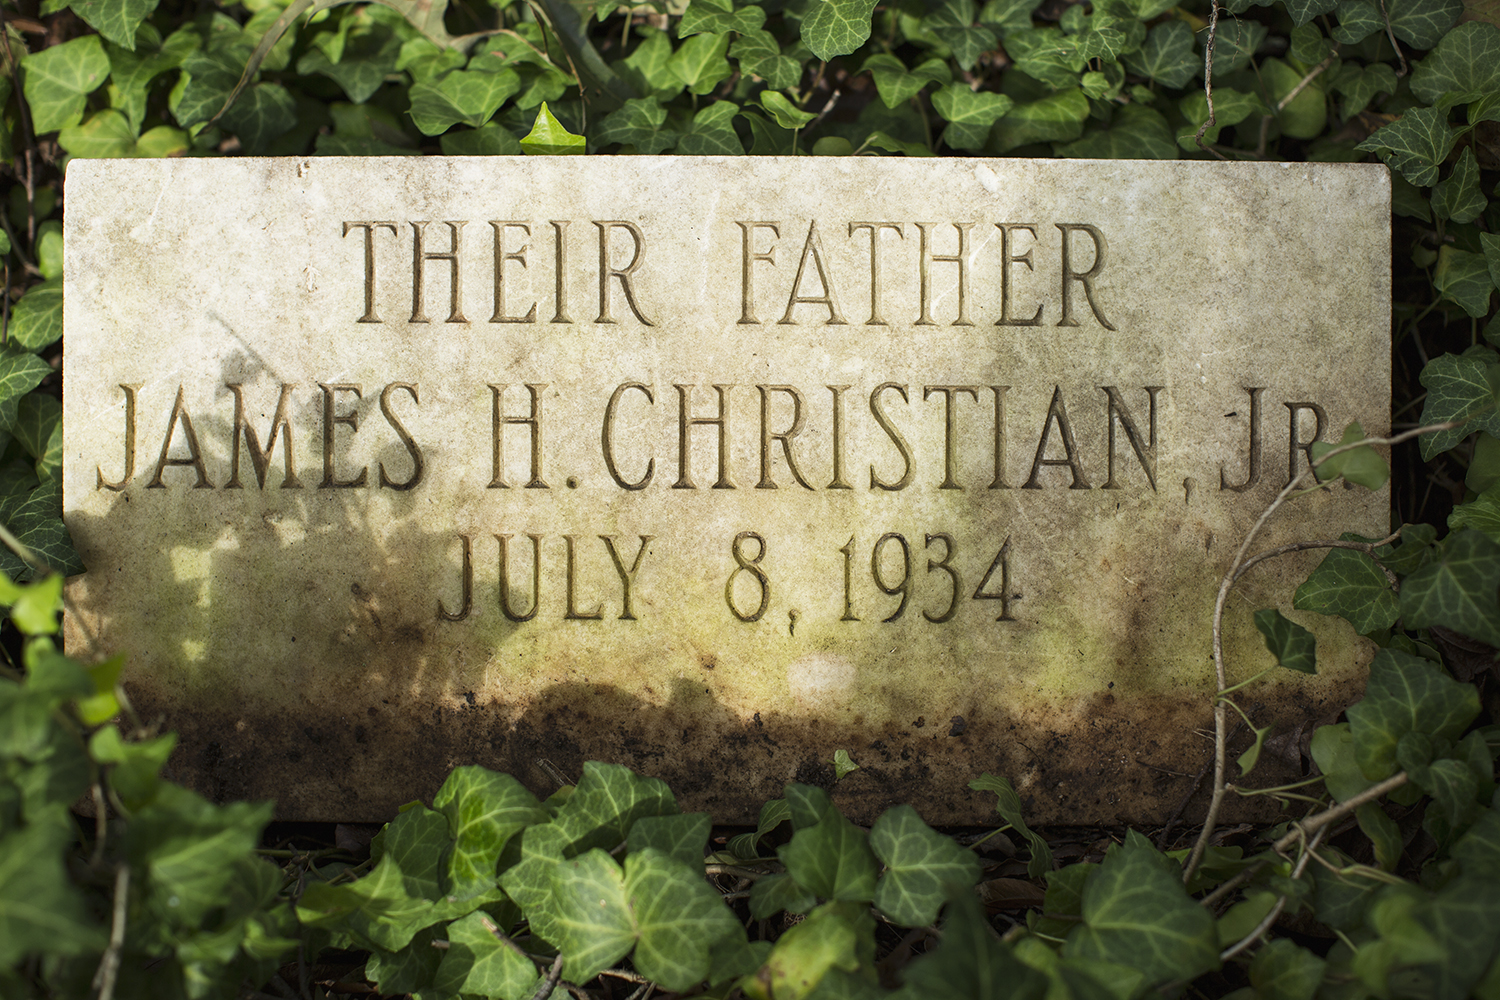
x=493, y=893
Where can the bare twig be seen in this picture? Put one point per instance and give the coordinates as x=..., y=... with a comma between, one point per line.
x=1225, y=585
x=1208, y=79
x=1270, y=918
x=109, y=965
x=748, y=873
x=1311, y=75
x=550, y=983
x=1368, y=548
x=500, y=936
x=1391, y=34
x=633, y=977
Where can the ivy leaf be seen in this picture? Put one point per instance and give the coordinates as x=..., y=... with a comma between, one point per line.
x=1361, y=465
x=1406, y=694
x=1478, y=850
x=712, y=132
x=131, y=73
x=1168, y=56
x=484, y=810
x=1307, y=114
x=700, y=62
x=489, y=139
x=639, y=123
x=1008, y=15
x=39, y=429
x=1457, y=197
x=805, y=955
x=37, y=523
x=1043, y=54
x=1137, y=133
x=411, y=968
x=548, y=137
x=1358, y=20
x=1459, y=589
x=1423, y=23
x=467, y=96
x=923, y=867
x=1303, y=11
x=971, y=963
x=208, y=78
x=759, y=55
x=1284, y=970
x=1414, y=144
x=775, y=893
x=35, y=323
x=1458, y=388
x=587, y=915
x=39, y=908
x=1137, y=914
x=1008, y=805
x=1482, y=514
x=1293, y=646
x=1490, y=242
x=116, y=20
x=836, y=27
x=1230, y=108
x=969, y=114
x=1359, y=85
x=718, y=18
x=843, y=765
x=683, y=836
x=896, y=84
x=786, y=114
x=479, y=964
x=1332, y=749
x=1466, y=63
x=1058, y=117
x=648, y=70
x=772, y=814
x=953, y=22
x=1349, y=584
x=362, y=71
x=1235, y=44
x=59, y=78
x=1464, y=278
x=832, y=859
x=1308, y=46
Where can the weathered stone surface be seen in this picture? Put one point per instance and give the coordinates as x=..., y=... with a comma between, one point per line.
x=299, y=612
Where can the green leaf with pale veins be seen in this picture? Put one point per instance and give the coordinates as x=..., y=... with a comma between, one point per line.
x=712, y=132
x=1043, y=54
x=953, y=22
x=1230, y=108
x=683, y=836
x=1459, y=589
x=785, y=113
x=700, y=62
x=39, y=429
x=1284, y=970
x=1136, y=913
x=803, y=957
x=1362, y=466
x=477, y=963
x=639, y=123
x=362, y=69
x=1458, y=388
x=116, y=20
x=105, y=133
x=833, y=859
x=1293, y=646
x=1457, y=196
x=1058, y=117
x=35, y=323
x=718, y=18
x=1423, y=23
x=1490, y=242
x=1414, y=144
x=836, y=27
x=549, y=137
x=1464, y=278
x=1349, y=584
x=923, y=868
x=262, y=114
x=774, y=893
x=1235, y=43
x=1406, y=694
x=131, y=73
x=59, y=78
x=1136, y=133
x=490, y=139
x=1303, y=11
x=1482, y=513
x=971, y=963
x=1360, y=84
x=40, y=910
x=1008, y=15
x=462, y=96
x=1358, y=20
x=1008, y=805
x=896, y=84
x=208, y=77
x=758, y=54
x=587, y=915
x=411, y=968
x=1332, y=749
x=1168, y=57
x=1305, y=114
x=484, y=810
x=1478, y=850
x=648, y=70
x=969, y=114
x=1466, y=62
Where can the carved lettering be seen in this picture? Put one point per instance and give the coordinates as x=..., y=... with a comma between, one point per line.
x=104, y=484
x=1294, y=435
x=684, y=449
x=533, y=423
x=608, y=270
x=950, y=430
x=877, y=410
x=1006, y=260
x=1145, y=451
x=1252, y=462
x=875, y=229
x=627, y=576
x=421, y=256
x=560, y=314
x=812, y=249
x=1084, y=278
x=501, y=257
x=261, y=459
x=838, y=438
x=926, y=258
x=1057, y=413
x=407, y=441
x=747, y=258
x=468, y=586
x=536, y=577
x=785, y=437
x=607, y=437
x=999, y=482
x=370, y=316
x=195, y=454
x=331, y=421
x=573, y=614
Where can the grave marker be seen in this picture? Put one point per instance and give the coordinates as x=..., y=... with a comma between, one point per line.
x=708, y=466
